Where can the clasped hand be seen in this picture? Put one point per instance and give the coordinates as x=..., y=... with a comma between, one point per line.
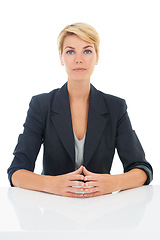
x=75, y=184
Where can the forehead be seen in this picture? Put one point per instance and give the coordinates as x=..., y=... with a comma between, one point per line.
x=75, y=41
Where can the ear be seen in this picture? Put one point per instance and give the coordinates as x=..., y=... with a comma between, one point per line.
x=97, y=58
x=60, y=56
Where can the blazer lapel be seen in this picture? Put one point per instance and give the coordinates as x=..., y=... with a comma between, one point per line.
x=97, y=119
x=61, y=118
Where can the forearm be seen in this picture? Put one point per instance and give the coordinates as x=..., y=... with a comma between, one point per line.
x=65, y=185
x=100, y=184
x=132, y=179
x=29, y=180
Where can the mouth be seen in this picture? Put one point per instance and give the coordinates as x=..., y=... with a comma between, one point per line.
x=79, y=69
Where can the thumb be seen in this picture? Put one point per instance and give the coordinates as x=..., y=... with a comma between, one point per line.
x=78, y=171
x=86, y=172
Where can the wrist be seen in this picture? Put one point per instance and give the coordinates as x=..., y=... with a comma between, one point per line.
x=47, y=185
x=116, y=182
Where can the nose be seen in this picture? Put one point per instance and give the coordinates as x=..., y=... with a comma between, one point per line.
x=78, y=58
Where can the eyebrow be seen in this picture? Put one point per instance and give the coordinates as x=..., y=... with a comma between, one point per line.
x=83, y=48
x=88, y=46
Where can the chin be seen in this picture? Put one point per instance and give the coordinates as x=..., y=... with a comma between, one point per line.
x=79, y=79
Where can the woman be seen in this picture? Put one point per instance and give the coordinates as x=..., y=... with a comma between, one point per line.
x=80, y=128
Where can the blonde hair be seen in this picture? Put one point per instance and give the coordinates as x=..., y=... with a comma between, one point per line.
x=83, y=31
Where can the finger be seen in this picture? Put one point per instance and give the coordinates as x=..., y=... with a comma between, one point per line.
x=91, y=190
x=78, y=171
x=92, y=177
x=88, y=195
x=75, y=190
x=76, y=177
x=91, y=184
x=76, y=183
x=74, y=195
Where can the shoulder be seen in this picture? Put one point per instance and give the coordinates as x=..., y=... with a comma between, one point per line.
x=44, y=99
x=111, y=98
x=112, y=102
x=45, y=96
x=40, y=105
x=116, y=106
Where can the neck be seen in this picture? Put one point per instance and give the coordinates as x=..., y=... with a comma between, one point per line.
x=78, y=90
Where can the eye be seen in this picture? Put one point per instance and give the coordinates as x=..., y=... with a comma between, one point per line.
x=87, y=51
x=70, y=52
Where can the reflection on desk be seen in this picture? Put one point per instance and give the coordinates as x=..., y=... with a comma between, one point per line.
x=41, y=215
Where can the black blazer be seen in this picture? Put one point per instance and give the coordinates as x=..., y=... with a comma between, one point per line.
x=49, y=123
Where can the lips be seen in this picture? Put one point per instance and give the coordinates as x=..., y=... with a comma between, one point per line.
x=79, y=69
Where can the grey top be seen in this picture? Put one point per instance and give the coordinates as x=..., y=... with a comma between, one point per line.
x=79, y=149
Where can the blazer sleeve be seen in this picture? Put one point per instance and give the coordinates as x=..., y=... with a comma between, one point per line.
x=128, y=146
x=30, y=141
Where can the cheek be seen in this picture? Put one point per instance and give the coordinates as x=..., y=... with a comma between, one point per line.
x=67, y=62
x=91, y=64
x=91, y=60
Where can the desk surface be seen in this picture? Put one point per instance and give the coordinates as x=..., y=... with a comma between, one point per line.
x=130, y=214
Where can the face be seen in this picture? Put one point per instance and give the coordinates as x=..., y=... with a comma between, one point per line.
x=79, y=58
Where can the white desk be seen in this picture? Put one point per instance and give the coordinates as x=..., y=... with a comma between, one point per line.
x=132, y=214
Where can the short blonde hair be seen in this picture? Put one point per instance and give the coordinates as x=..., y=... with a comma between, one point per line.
x=83, y=31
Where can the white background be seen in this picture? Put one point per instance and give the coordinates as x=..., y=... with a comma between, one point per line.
x=129, y=65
